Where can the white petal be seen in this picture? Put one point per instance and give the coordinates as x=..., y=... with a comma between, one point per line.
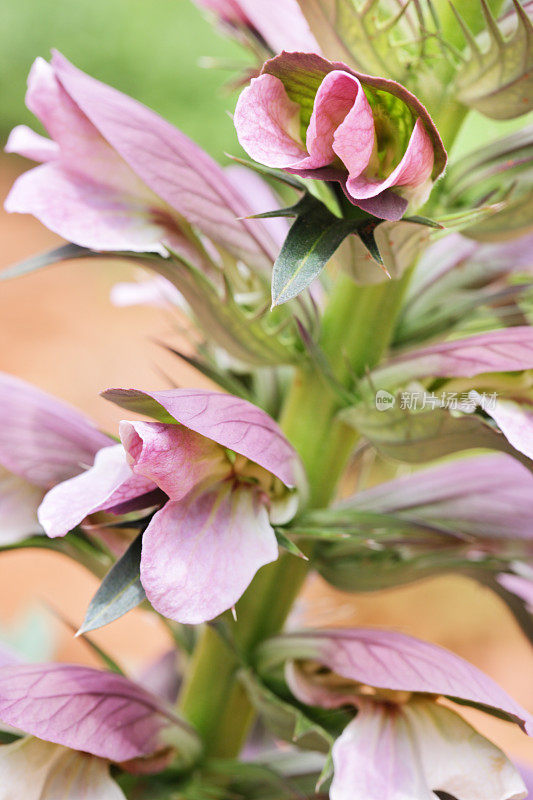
x=77, y=776
x=457, y=759
x=375, y=759
x=24, y=767
x=19, y=501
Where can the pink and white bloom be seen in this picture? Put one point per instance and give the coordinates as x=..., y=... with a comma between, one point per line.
x=281, y=27
x=115, y=176
x=370, y=134
x=403, y=742
x=228, y=473
x=43, y=441
x=77, y=721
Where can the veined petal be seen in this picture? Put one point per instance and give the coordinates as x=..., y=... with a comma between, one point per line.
x=486, y=496
x=414, y=169
x=200, y=554
x=19, y=501
x=27, y=143
x=166, y=161
x=86, y=213
x=394, y=661
x=230, y=421
x=43, y=439
x=456, y=758
x=267, y=123
x=86, y=709
x=374, y=759
x=172, y=456
x=109, y=484
x=503, y=350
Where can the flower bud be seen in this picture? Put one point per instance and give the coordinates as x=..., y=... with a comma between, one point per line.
x=320, y=119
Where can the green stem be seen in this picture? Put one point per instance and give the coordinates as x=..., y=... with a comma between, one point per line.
x=356, y=330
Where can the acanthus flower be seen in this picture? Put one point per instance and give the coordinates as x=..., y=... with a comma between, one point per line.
x=77, y=721
x=370, y=134
x=402, y=742
x=229, y=474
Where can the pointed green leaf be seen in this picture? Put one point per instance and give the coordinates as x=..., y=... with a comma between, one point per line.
x=120, y=591
x=289, y=545
x=312, y=240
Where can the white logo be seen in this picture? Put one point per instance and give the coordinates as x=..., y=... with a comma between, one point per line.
x=384, y=400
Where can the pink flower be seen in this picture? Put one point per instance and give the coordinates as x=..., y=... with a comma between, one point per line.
x=116, y=176
x=43, y=441
x=228, y=473
x=77, y=720
x=402, y=743
x=281, y=26
x=370, y=134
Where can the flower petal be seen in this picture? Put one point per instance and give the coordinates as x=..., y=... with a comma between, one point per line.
x=27, y=143
x=515, y=421
x=457, y=759
x=482, y=496
x=172, y=456
x=502, y=350
x=77, y=776
x=230, y=421
x=282, y=26
x=268, y=123
x=374, y=758
x=169, y=163
x=390, y=660
x=414, y=169
x=24, y=767
x=109, y=484
x=260, y=198
x=43, y=439
x=201, y=553
x=86, y=213
x=86, y=709
x=19, y=501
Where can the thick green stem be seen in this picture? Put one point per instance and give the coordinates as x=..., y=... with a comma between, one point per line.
x=356, y=330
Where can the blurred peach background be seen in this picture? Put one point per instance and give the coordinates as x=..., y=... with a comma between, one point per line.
x=59, y=330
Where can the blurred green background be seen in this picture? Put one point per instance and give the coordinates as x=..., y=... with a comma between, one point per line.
x=148, y=48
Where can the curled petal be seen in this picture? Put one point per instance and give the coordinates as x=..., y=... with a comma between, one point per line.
x=109, y=484
x=268, y=123
x=172, y=456
x=414, y=169
x=27, y=143
x=230, y=421
x=200, y=554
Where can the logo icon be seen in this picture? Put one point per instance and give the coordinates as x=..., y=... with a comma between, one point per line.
x=384, y=400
